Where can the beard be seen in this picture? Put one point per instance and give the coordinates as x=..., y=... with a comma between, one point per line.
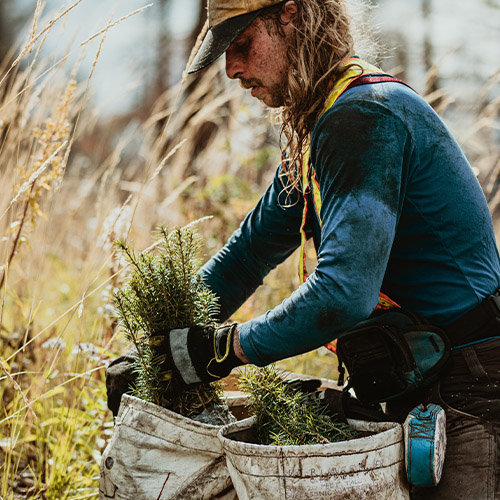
x=276, y=92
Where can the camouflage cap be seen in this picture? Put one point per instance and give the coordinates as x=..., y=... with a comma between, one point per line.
x=227, y=19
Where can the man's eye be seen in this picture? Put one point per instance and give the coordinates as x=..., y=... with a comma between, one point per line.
x=242, y=45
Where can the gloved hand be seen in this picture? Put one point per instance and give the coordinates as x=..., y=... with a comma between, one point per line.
x=343, y=406
x=199, y=353
x=307, y=386
x=339, y=404
x=120, y=376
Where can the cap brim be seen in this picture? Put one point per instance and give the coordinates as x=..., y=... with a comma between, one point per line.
x=219, y=38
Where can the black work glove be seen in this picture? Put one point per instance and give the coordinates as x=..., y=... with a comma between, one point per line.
x=120, y=376
x=197, y=354
x=342, y=405
x=307, y=386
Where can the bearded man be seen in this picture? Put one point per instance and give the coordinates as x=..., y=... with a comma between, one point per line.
x=372, y=174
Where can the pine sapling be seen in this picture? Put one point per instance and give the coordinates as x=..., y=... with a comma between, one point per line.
x=164, y=292
x=285, y=415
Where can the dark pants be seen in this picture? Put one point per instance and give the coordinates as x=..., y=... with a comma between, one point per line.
x=469, y=391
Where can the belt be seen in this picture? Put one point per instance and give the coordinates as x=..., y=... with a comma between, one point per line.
x=477, y=324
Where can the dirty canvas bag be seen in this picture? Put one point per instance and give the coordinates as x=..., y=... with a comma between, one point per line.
x=368, y=467
x=155, y=453
x=391, y=354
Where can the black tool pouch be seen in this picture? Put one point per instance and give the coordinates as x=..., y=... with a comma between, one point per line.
x=391, y=354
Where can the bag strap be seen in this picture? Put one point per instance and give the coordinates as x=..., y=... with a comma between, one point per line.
x=364, y=79
x=472, y=326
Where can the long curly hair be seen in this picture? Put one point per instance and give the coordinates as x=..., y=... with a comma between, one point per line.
x=320, y=42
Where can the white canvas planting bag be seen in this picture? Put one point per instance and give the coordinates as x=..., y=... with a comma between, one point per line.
x=155, y=453
x=370, y=467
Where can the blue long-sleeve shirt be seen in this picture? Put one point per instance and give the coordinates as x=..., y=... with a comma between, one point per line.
x=401, y=212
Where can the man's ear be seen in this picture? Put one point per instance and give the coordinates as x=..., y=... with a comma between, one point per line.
x=288, y=12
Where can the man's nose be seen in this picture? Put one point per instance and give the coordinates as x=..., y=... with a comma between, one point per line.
x=234, y=66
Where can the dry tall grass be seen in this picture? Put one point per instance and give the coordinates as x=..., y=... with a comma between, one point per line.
x=70, y=187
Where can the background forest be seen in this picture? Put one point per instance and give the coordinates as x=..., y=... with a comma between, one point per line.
x=103, y=137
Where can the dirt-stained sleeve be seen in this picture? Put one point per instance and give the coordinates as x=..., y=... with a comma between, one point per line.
x=358, y=153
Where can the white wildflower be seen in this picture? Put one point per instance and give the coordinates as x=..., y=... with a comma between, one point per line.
x=57, y=343
x=86, y=349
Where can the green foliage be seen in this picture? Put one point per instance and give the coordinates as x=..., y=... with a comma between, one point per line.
x=65, y=436
x=164, y=292
x=286, y=416
x=54, y=453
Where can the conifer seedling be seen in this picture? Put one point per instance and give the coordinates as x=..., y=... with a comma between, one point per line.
x=285, y=415
x=163, y=292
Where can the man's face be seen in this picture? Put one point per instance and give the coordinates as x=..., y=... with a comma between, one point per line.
x=259, y=60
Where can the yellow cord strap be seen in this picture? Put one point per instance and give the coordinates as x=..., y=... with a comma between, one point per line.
x=308, y=171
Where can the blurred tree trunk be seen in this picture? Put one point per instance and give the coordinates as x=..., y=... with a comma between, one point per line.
x=163, y=60
x=426, y=13
x=5, y=31
x=201, y=18
x=13, y=17
x=432, y=82
x=163, y=63
x=205, y=130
